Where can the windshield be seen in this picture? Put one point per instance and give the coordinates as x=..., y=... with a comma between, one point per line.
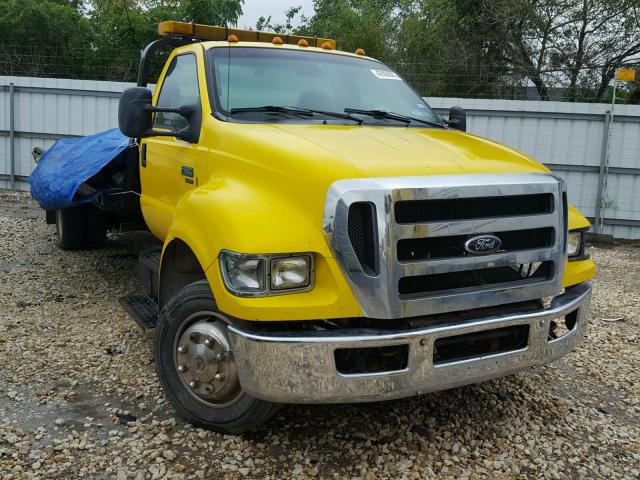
x=248, y=78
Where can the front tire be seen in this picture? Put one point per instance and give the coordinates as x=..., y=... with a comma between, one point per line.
x=196, y=368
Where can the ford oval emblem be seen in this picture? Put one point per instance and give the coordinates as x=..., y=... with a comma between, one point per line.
x=483, y=244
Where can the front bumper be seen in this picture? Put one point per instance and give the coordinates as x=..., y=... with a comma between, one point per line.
x=300, y=367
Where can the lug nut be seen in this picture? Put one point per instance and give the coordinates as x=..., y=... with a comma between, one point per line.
x=221, y=356
x=219, y=376
x=208, y=342
x=193, y=385
x=182, y=368
x=182, y=349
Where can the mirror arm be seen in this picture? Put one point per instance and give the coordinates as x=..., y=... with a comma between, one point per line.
x=186, y=111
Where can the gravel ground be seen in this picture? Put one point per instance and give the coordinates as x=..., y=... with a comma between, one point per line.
x=79, y=396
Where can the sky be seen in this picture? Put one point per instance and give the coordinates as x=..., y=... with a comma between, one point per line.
x=254, y=9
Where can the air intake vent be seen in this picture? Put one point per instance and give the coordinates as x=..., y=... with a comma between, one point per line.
x=437, y=210
x=473, y=279
x=363, y=234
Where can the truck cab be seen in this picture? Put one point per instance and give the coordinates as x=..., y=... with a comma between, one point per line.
x=327, y=238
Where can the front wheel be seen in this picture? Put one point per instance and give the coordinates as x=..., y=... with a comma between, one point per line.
x=196, y=367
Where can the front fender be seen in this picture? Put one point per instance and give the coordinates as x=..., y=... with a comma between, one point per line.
x=578, y=271
x=226, y=214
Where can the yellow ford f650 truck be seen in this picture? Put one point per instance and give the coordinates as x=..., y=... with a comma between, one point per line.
x=326, y=237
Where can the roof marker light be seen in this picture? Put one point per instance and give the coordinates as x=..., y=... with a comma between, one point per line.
x=232, y=38
x=277, y=41
x=360, y=51
x=208, y=32
x=327, y=46
x=303, y=43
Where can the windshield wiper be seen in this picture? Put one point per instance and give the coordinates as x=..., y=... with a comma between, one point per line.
x=272, y=108
x=345, y=116
x=392, y=116
x=296, y=111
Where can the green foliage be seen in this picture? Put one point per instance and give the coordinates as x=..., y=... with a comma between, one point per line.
x=35, y=22
x=95, y=39
x=562, y=49
x=210, y=12
x=556, y=49
x=369, y=24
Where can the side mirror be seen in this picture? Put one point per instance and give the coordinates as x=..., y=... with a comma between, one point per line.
x=457, y=119
x=135, y=116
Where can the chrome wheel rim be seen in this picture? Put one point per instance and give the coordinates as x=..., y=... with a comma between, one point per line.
x=204, y=362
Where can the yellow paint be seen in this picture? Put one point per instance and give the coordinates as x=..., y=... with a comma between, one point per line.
x=577, y=272
x=626, y=74
x=260, y=188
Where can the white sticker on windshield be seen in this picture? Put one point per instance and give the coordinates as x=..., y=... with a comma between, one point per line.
x=385, y=75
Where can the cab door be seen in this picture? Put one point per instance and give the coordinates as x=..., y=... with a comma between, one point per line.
x=167, y=163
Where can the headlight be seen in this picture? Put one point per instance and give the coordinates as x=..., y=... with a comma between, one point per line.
x=291, y=272
x=574, y=242
x=243, y=274
x=261, y=275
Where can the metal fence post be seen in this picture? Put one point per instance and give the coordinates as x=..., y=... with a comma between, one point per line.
x=12, y=135
x=603, y=171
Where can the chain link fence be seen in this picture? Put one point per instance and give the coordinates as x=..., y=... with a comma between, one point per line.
x=429, y=79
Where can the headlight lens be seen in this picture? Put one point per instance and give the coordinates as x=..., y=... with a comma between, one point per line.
x=290, y=272
x=574, y=242
x=261, y=275
x=243, y=274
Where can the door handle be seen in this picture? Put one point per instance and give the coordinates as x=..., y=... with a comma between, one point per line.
x=143, y=155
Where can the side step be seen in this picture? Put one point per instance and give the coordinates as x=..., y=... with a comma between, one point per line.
x=142, y=309
x=148, y=267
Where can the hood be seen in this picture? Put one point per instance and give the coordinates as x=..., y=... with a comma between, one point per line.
x=399, y=151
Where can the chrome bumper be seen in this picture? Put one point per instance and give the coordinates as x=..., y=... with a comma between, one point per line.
x=292, y=368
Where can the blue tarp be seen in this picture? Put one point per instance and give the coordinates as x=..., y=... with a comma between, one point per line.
x=69, y=163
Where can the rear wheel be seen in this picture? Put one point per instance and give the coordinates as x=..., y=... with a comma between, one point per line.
x=196, y=367
x=81, y=227
x=95, y=234
x=70, y=228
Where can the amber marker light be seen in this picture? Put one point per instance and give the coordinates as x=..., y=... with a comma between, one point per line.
x=277, y=41
x=360, y=51
x=326, y=46
x=303, y=43
x=232, y=38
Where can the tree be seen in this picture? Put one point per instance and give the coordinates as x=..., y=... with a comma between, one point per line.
x=567, y=49
x=574, y=45
x=264, y=23
x=369, y=24
x=123, y=27
x=211, y=12
x=55, y=27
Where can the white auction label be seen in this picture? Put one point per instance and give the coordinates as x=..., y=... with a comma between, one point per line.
x=385, y=75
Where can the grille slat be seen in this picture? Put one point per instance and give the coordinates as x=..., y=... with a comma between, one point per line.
x=469, y=279
x=415, y=249
x=450, y=209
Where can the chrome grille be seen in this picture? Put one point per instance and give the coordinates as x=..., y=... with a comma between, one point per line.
x=421, y=225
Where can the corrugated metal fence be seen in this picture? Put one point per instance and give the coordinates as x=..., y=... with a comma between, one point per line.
x=570, y=138
x=38, y=111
